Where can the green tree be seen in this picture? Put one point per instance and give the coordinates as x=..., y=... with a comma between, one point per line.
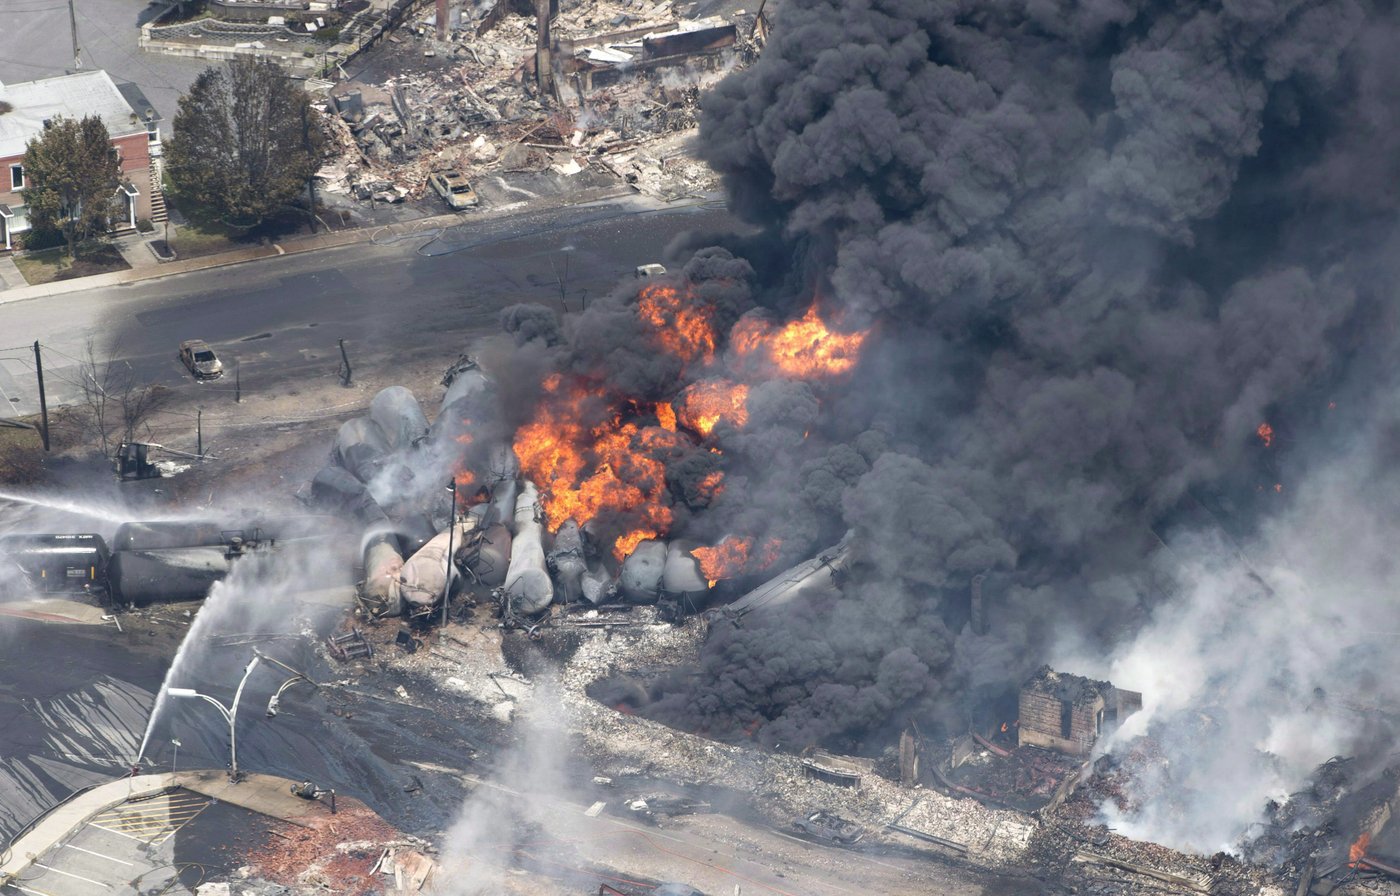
x=72, y=174
x=245, y=141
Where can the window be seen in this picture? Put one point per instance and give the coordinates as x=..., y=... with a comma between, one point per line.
x=16, y=177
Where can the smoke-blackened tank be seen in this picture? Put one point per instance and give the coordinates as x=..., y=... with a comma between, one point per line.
x=361, y=448
x=682, y=580
x=567, y=562
x=383, y=566
x=397, y=414
x=487, y=554
x=148, y=535
x=640, y=580
x=170, y=574
x=336, y=489
x=55, y=562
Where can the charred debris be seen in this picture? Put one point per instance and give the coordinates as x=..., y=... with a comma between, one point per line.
x=586, y=100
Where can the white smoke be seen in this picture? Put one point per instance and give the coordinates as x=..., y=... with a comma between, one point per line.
x=504, y=816
x=1271, y=660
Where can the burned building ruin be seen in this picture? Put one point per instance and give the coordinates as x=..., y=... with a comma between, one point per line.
x=1070, y=713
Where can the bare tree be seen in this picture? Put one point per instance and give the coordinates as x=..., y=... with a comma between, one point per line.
x=116, y=405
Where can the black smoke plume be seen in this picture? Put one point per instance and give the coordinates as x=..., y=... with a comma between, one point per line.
x=1096, y=246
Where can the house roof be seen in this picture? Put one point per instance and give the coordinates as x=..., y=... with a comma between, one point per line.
x=72, y=96
x=1062, y=686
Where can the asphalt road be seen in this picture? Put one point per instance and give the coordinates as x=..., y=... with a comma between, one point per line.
x=273, y=318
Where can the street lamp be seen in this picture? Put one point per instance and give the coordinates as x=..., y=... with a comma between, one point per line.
x=175, y=761
x=451, y=527
x=230, y=713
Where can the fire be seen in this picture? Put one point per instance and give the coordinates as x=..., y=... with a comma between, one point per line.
x=1266, y=434
x=666, y=416
x=711, y=485
x=707, y=402
x=733, y=556
x=804, y=348
x=1358, y=850
x=584, y=469
x=684, y=327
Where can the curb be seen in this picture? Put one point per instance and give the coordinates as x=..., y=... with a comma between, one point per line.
x=51, y=828
x=299, y=245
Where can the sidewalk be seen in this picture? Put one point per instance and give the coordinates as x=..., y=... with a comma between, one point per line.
x=152, y=269
x=265, y=794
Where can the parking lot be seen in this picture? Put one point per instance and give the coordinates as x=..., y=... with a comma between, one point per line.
x=140, y=847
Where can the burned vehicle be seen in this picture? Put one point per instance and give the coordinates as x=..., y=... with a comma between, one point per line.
x=828, y=828
x=654, y=806
x=454, y=188
x=200, y=360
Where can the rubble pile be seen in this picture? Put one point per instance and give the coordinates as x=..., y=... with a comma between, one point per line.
x=352, y=852
x=480, y=112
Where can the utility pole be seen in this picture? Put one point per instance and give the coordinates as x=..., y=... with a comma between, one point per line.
x=306, y=145
x=451, y=527
x=345, y=358
x=43, y=402
x=199, y=432
x=237, y=383
x=73, y=27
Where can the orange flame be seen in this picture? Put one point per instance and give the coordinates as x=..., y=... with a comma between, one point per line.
x=682, y=326
x=707, y=402
x=585, y=469
x=734, y=556
x=804, y=348
x=1357, y=852
x=1266, y=434
x=710, y=486
x=666, y=416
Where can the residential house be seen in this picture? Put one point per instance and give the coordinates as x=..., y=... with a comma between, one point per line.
x=131, y=120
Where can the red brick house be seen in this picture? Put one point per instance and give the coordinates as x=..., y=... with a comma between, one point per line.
x=1069, y=713
x=25, y=107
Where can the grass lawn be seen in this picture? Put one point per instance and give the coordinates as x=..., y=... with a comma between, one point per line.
x=198, y=238
x=53, y=264
x=21, y=455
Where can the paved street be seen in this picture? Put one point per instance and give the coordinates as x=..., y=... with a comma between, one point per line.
x=36, y=42
x=283, y=316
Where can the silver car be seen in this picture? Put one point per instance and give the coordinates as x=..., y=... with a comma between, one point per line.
x=196, y=355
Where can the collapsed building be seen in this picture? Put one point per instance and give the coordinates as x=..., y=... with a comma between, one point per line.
x=610, y=96
x=1070, y=713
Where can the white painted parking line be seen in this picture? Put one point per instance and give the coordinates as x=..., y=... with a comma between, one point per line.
x=27, y=890
x=93, y=824
x=99, y=855
x=87, y=880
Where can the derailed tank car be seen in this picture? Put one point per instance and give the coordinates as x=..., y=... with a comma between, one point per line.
x=58, y=563
x=168, y=574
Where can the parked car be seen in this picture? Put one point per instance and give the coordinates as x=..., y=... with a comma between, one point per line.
x=829, y=828
x=646, y=271
x=200, y=359
x=454, y=188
